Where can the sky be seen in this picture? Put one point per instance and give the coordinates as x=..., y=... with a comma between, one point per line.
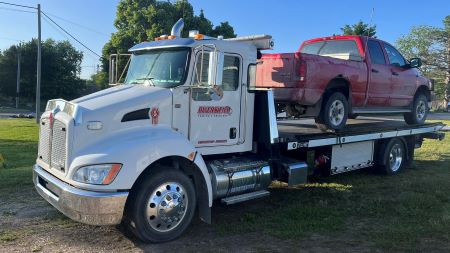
x=289, y=21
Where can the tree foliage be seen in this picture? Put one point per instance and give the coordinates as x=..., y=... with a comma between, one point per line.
x=143, y=20
x=360, y=28
x=432, y=45
x=61, y=65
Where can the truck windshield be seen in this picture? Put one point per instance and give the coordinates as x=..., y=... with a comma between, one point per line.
x=162, y=67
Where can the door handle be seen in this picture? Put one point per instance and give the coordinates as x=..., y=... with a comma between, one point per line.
x=375, y=71
x=394, y=73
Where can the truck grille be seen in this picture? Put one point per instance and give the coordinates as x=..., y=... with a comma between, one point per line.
x=58, y=153
x=52, y=144
x=44, y=141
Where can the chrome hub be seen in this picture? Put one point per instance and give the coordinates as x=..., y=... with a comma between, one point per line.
x=167, y=206
x=395, y=157
x=337, y=113
x=421, y=110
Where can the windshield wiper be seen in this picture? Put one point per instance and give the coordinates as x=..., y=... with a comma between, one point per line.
x=150, y=79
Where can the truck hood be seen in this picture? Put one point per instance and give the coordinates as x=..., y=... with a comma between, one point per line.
x=125, y=95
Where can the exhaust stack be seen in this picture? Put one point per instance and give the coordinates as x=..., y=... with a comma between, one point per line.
x=177, y=28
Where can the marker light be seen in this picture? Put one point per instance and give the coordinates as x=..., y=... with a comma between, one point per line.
x=94, y=125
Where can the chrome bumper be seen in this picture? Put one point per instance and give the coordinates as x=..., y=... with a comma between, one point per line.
x=94, y=208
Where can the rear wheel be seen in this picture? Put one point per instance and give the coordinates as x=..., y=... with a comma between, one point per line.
x=419, y=111
x=334, y=112
x=163, y=206
x=393, y=157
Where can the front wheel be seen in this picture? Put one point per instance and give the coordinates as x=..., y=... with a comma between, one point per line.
x=163, y=206
x=419, y=111
x=334, y=112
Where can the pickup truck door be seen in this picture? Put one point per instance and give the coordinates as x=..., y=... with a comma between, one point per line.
x=379, y=84
x=403, y=78
x=215, y=111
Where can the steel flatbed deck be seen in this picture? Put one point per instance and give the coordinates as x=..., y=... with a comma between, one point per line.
x=304, y=133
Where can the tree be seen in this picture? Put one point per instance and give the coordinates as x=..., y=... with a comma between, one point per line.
x=143, y=20
x=61, y=66
x=360, y=28
x=432, y=45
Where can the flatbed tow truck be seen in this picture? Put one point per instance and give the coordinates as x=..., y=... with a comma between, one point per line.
x=188, y=127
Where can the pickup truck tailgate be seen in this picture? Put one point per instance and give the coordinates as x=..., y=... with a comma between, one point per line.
x=278, y=71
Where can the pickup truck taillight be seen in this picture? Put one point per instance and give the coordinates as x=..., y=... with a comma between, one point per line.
x=300, y=68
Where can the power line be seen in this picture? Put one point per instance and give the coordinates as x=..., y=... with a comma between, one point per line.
x=18, y=5
x=18, y=10
x=79, y=25
x=85, y=52
x=73, y=37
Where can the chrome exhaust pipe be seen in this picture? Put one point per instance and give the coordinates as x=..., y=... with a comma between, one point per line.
x=177, y=28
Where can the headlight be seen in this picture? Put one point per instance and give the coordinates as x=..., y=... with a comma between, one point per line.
x=97, y=174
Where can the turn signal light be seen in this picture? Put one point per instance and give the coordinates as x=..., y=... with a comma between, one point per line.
x=199, y=36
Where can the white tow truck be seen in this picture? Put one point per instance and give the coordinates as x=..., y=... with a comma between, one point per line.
x=188, y=127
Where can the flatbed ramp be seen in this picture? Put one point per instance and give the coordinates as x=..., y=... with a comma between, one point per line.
x=304, y=133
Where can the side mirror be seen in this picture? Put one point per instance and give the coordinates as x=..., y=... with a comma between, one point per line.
x=252, y=77
x=117, y=67
x=415, y=62
x=215, y=74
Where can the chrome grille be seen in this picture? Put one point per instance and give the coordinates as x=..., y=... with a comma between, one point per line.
x=58, y=154
x=44, y=140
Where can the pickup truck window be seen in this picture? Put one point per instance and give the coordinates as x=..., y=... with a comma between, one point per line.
x=161, y=67
x=395, y=58
x=312, y=48
x=376, y=53
x=343, y=49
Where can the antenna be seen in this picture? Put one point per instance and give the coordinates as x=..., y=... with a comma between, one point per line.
x=368, y=31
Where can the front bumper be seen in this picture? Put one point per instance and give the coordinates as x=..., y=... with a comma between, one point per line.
x=94, y=208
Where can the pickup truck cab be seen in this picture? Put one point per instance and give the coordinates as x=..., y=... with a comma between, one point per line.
x=340, y=77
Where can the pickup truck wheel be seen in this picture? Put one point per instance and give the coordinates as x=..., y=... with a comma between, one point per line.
x=394, y=154
x=334, y=112
x=163, y=206
x=419, y=110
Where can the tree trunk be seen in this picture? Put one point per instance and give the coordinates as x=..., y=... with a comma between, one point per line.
x=447, y=75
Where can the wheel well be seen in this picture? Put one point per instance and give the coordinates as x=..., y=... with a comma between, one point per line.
x=424, y=90
x=341, y=85
x=191, y=170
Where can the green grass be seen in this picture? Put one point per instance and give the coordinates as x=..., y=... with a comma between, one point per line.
x=408, y=212
x=18, y=147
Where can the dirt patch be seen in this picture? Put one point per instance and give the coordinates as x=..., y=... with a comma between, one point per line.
x=29, y=224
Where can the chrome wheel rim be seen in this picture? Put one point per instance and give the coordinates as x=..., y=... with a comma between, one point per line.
x=421, y=110
x=395, y=157
x=167, y=206
x=337, y=112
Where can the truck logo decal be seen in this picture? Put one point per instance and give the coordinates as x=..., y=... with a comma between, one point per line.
x=154, y=115
x=214, y=111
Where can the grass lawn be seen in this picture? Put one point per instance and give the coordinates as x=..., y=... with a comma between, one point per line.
x=408, y=212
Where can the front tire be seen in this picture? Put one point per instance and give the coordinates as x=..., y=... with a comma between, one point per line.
x=334, y=112
x=163, y=206
x=419, y=112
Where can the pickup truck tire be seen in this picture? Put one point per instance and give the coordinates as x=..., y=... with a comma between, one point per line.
x=163, y=206
x=419, y=112
x=333, y=113
x=392, y=157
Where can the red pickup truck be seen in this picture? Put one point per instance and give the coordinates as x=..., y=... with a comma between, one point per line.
x=340, y=77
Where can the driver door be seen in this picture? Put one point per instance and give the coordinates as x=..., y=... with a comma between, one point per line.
x=215, y=101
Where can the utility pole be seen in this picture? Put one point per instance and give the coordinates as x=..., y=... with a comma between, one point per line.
x=38, y=73
x=18, y=76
